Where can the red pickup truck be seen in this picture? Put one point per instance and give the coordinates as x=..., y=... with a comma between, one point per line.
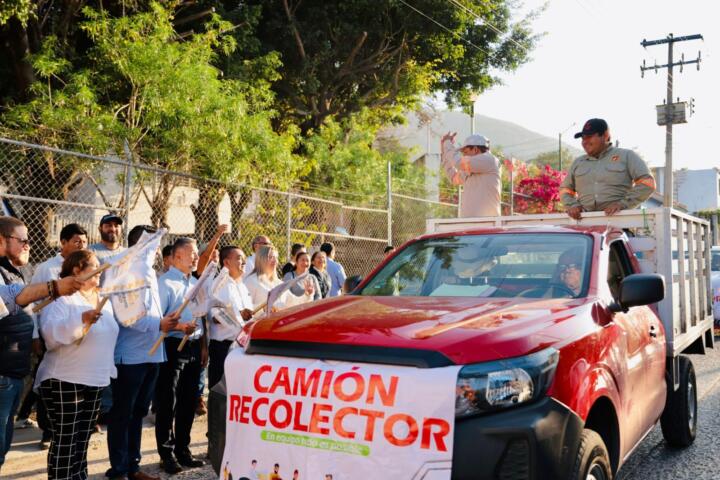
x=567, y=361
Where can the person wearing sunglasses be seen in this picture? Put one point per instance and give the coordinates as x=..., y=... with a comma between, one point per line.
x=17, y=328
x=570, y=270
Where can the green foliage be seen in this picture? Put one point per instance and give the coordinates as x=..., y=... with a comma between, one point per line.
x=347, y=158
x=342, y=57
x=551, y=158
x=708, y=214
x=166, y=97
x=19, y=9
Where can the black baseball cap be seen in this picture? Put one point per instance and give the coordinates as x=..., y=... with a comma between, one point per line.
x=111, y=217
x=592, y=126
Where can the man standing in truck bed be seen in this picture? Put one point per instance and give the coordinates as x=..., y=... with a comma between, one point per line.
x=607, y=178
x=478, y=170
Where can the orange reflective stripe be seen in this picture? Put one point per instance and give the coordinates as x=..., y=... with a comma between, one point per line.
x=648, y=182
x=569, y=191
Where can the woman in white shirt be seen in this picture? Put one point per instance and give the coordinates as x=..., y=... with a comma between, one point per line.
x=302, y=266
x=264, y=278
x=76, y=368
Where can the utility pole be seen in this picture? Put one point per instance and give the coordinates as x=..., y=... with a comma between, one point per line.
x=670, y=113
x=560, y=151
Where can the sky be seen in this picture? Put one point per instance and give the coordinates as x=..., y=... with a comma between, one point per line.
x=588, y=65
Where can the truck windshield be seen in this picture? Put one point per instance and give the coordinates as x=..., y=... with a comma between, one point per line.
x=715, y=262
x=527, y=265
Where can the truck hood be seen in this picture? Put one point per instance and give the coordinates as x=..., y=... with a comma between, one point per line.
x=463, y=330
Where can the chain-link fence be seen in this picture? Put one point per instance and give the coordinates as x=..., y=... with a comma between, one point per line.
x=48, y=188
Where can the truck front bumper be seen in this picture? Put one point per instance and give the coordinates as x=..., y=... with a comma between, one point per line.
x=534, y=442
x=538, y=441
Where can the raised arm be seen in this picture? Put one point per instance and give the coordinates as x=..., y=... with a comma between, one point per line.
x=212, y=245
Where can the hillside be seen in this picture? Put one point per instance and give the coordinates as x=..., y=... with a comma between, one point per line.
x=424, y=130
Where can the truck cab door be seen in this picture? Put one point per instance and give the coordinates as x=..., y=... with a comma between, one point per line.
x=645, y=350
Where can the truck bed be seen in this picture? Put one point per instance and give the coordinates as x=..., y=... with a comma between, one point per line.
x=660, y=234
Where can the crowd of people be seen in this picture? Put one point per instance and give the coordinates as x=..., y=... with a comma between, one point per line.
x=76, y=381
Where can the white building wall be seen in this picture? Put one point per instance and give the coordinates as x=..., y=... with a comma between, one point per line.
x=698, y=189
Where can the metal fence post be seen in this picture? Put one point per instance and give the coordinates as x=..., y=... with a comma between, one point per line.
x=389, y=203
x=128, y=173
x=512, y=189
x=459, y=202
x=288, y=226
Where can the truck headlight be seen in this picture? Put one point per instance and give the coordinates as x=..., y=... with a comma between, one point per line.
x=490, y=386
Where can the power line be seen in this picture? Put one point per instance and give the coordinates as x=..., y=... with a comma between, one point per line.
x=455, y=34
x=484, y=21
x=593, y=15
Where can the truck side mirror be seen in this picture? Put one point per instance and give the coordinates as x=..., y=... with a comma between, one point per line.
x=640, y=289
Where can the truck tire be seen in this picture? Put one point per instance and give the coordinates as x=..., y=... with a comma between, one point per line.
x=679, y=419
x=592, y=461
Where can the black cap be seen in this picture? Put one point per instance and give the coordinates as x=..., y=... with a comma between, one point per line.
x=592, y=126
x=111, y=217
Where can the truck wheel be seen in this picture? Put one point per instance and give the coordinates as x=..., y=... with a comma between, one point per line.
x=679, y=419
x=592, y=461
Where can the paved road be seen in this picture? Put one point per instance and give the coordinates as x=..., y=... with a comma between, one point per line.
x=654, y=460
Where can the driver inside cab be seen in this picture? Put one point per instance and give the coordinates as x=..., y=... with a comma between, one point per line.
x=570, y=270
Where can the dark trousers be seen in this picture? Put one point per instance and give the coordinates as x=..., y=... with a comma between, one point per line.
x=132, y=390
x=216, y=367
x=72, y=410
x=10, y=391
x=176, y=397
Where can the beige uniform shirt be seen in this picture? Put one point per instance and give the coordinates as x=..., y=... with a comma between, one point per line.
x=618, y=175
x=480, y=177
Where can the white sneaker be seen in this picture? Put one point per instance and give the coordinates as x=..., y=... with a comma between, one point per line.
x=21, y=423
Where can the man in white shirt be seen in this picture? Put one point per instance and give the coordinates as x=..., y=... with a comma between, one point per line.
x=477, y=170
x=73, y=237
x=257, y=243
x=221, y=333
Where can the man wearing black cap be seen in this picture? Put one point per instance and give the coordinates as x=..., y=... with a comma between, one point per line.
x=110, y=237
x=607, y=178
x=110, y=245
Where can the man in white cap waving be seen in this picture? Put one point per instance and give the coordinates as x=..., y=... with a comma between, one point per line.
x=473, y=166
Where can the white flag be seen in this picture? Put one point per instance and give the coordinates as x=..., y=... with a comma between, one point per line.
x=276, y=293
x=199, y=295
x=225, y=300
x=133, y=269
x=131, y=279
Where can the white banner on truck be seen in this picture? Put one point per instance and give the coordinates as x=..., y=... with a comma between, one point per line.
x=294, y=418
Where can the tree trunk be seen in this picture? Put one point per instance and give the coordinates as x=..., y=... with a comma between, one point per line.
x=14, y=41
x=161, y=203
x=206, y=211
x=239, y=199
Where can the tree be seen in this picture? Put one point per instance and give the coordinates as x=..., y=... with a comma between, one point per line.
x=166, y=98
x=551, y=158
x=342, y=57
